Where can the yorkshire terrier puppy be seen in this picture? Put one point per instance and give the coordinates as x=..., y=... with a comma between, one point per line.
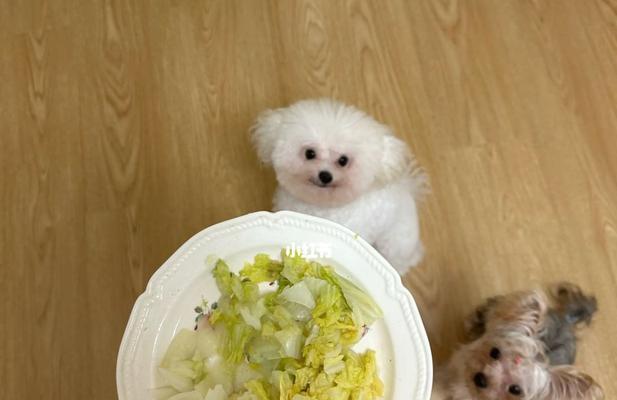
x=521, y=348
x=570, y=307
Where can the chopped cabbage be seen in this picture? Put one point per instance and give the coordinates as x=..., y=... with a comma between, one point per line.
x=294, y=343
x=192, y=395
x=217, y=393
x=300, y=294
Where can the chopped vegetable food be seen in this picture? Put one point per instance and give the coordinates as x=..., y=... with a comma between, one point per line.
x=293, y=343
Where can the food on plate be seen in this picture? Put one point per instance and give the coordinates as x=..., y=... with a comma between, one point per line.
x=280, y=330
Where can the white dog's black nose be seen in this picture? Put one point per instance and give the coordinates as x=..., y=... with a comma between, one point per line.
x=325, y=177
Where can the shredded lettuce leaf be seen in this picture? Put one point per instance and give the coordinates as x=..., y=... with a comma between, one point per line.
x=293, y=343
x=300, y=294
x=263, y=269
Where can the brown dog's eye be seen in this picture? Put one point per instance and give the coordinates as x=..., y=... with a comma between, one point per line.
x=515, y=390
x=495, y=353
x=310, y=154
x=343, y=160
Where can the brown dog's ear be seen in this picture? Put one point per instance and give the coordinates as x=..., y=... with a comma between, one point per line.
x=567, y=383
x=572, y=303
x=523, y=311
x=475, y=323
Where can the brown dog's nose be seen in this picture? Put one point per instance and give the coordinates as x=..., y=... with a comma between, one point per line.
x=480, y=380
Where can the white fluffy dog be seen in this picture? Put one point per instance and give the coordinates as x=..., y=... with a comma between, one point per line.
x=334, y=161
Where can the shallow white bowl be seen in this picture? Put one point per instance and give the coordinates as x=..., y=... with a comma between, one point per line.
x=403, y=353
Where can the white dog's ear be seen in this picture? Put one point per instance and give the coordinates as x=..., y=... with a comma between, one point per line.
x=567, y=383
x=264, y=133
x=395, y=160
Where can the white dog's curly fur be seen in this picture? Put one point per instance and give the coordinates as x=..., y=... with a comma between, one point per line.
x=335, y=161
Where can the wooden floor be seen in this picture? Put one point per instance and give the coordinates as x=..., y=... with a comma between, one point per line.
x=123, y=131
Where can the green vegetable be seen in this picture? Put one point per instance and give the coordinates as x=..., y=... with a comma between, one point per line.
x=293, y=343
x=300, y=294
x=263, y=269
x=163, y=393
x=192, y=395
x=365, y=311
x=182, y=347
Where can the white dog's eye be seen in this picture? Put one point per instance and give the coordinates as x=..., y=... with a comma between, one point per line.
x=343, y=160
x=310, y=154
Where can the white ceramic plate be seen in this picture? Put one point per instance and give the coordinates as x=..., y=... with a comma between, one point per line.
x=403, y=354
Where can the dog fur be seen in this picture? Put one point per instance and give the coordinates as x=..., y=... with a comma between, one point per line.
x=374, y=193
x=510, y=352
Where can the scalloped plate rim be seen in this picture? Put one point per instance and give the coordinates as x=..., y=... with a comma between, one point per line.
x=141, y=309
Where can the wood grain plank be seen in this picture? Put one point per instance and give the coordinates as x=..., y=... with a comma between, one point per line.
x=112, y=100
x=40, y=251
x=124, y=130
x=8, y=280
